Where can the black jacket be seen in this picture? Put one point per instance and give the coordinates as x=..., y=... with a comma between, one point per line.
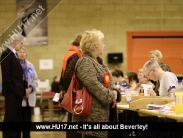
x=70, y=68
x=12, y=74
x=55, y=87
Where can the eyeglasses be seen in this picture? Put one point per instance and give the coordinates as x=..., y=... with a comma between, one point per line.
x=148, y=74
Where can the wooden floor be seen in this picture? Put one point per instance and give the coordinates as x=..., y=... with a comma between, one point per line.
x=41, y=134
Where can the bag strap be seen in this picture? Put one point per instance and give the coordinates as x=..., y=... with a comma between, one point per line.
x=75, y=70
x=76, y=84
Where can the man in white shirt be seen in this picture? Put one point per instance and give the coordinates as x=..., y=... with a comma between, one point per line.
x=153, y=71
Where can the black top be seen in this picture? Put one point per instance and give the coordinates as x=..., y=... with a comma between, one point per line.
x=70, y=68
x=12, y=74
x=55, y=87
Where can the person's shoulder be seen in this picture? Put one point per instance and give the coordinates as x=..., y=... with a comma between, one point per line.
x=6, y=51
x=6, y=54
x=169, y=74
x=75, y=55
x=85, y=60
x=29, y=64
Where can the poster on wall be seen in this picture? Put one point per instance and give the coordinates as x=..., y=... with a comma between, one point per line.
x=45, y=64
x=32, y=21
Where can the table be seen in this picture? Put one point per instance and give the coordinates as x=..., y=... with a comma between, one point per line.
x=145, y=112
x=171, y=115
x=123, y=106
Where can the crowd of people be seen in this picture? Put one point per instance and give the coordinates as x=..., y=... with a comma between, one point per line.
x=19, y=82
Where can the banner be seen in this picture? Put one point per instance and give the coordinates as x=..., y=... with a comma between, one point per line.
x=93, y=126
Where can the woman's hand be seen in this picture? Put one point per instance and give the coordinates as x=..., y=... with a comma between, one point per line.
x=28, y=91
x=62, y=94
x=151, y=92
x=114, y=99
x=138, y=91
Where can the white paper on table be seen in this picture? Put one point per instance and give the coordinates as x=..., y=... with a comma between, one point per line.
x=154, y=106
x=146, y=87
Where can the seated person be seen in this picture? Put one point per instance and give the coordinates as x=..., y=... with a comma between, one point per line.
x=157, y=56
x=55, y=86
x=131, y=79
x=153, y=71
x=143, y=80
x=118, y=77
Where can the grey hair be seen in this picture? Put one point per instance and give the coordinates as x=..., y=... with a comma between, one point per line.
x=141, y=70
x=17, y=37
x=151, y=64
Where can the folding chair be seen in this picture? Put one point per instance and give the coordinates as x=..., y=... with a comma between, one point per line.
x=57, y=110
x=1, y=113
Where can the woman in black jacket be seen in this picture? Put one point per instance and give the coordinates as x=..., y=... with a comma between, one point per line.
x=68, y=68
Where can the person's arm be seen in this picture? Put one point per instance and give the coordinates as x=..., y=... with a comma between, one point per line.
x=157, y=92
x=88, y=75
x=55, y=87
x=69, y=71
x=6, y=69
x=34, y=80
x=113, y=87
x=169, y=81
x=151, y=92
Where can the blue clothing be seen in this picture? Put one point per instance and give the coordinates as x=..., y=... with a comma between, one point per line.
x=32, y=83
x=25, y=71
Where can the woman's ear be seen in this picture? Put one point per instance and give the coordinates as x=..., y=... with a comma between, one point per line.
x=95, y=46
x=14, y=42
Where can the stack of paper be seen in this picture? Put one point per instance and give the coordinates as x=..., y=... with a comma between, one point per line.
x=154, y=106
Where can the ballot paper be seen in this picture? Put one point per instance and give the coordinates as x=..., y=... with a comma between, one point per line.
x=154, y=106
x=56, y=97
x=146, y=87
